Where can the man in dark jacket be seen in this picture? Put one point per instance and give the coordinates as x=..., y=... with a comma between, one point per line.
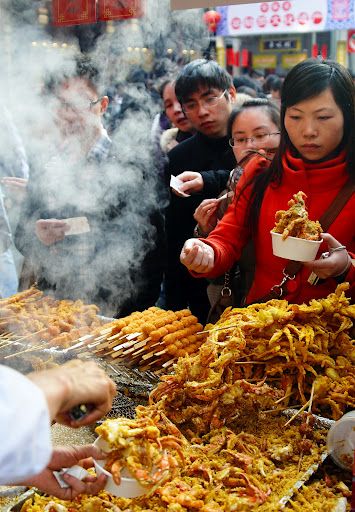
x=202, y=164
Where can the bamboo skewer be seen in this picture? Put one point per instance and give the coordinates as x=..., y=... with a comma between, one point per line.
x=32, y=349
x=297, y=413
x=307, y=421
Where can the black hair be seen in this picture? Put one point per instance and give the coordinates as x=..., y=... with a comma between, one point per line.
x=201, y=73
x=276, y=84
x=307, y=80
x=270, y=108
x=84, y=69
x=244, y=89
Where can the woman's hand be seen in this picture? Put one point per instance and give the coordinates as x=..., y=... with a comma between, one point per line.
x=206, y=215
x=337, y=263
x=66, y=457
x=197, y=256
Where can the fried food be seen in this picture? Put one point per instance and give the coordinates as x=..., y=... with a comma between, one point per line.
x=139, y=446
x=295, y=221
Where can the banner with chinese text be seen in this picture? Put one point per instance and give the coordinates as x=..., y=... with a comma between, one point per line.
x=296, y=16
x=73, y=12
x=119, y=9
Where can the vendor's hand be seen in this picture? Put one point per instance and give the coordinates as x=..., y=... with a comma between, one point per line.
x=192, y=182
x=197, y=256
x=74, y=383
x=206, y=215
x=50, y=231
x=337, y=263
x=65, y=457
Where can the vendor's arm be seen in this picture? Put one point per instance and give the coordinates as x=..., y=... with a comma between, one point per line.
x=24, y=427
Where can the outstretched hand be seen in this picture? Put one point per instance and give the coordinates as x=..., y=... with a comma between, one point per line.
x=197, y=256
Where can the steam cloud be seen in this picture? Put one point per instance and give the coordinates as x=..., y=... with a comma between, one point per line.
x=24, y=67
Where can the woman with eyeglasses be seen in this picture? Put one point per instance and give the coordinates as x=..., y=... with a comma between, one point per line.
x=254, y=126
x=316, y=155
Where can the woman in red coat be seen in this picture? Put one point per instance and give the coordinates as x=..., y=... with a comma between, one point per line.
x=316, y=156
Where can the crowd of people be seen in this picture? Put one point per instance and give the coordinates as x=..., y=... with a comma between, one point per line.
x=206, y=133
x=239, y=149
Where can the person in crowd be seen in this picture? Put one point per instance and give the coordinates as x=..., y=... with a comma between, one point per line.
x=275, y=90
x=267, y=83
x=181, y=128
x=243, y=81
x=29, y=404
x=316, y=156
x=74, y=222
x=202, y=163
x=14, y=171
x=253, y=128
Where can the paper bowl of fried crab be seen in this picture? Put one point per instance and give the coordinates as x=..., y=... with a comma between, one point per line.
x=294, y=236
x=139, y=457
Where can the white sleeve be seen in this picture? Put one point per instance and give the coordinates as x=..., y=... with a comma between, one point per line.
x=25, y=441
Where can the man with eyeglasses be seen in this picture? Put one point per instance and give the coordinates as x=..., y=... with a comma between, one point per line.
x=80, y=217
x=202, y=163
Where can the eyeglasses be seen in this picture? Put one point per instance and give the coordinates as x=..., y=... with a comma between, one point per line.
x=78, y=106
x=207, y=102
x=258, y=139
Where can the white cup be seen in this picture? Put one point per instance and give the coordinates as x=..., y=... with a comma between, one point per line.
x=293, y=248
x=128, y=488
x=341, y=441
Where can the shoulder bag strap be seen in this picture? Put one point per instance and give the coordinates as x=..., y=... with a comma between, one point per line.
x=293, y=267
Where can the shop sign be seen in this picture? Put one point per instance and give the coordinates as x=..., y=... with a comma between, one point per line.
x=351, y=41
x=280, y=44
x=296, y=16
x=341, y=52
x=193, y=4
x=341, y=14
x=288, y=61
x=119, y=9
x=262, y=61
x=73, y=12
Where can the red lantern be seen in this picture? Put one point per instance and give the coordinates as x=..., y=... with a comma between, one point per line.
x=212, y=18
x=315, y=50
x=324, y=51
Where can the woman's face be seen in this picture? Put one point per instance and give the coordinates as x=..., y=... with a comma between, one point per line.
x=173, y=109
x=254, y=129
x=315, y=126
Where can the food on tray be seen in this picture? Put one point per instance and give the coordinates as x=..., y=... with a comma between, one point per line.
x=295, y=222
x=240, y=468
x=151, y=339
x=138, y=446
x=33, y=317
x=293, y=347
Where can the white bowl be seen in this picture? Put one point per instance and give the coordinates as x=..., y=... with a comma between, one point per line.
x=292, y=248
x=128, y=488
x=341, y=441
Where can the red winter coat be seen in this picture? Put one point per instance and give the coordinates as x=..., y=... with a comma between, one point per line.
x=321, y=182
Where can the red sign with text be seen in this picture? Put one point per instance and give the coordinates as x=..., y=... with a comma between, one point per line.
x=73, y=12
x=119, y=9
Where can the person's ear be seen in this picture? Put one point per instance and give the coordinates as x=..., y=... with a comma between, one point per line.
x=232, y=94
x=104, y=104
